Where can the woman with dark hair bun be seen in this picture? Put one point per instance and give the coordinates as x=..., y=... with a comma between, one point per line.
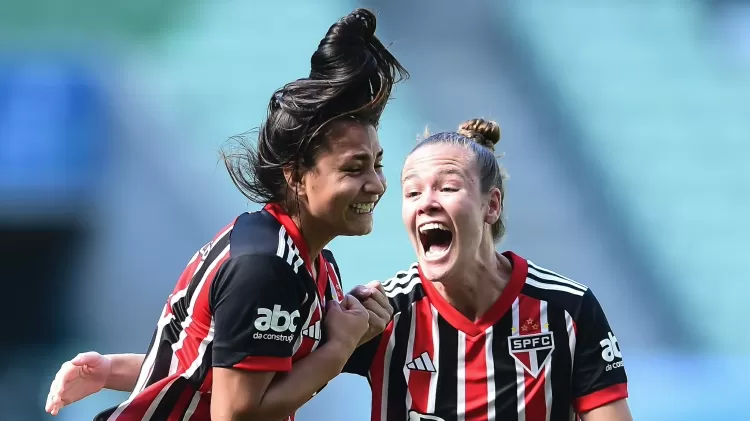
x=257, y=323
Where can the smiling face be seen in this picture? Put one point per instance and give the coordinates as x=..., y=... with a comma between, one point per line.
x=340, y=192
x=444, y=210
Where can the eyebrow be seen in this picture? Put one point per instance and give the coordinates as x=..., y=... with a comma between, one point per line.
x=445, y=171
x=364, y=156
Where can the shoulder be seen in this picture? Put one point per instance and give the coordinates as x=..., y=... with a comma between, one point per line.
x=257, y=233
x=556, y=289
x=404, y=288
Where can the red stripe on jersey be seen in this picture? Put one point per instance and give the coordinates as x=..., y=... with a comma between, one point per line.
x=201, y=411
x=181, y=405
x=265, y=364
x=601, y=397
x=377, y=373
x=530, y=323
x=198, y=322
x=137, y=408
x=335, y=282
x=421, y=371
x=476, y=378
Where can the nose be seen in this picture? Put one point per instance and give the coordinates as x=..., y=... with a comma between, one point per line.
x=426, y=204
x=375, y=184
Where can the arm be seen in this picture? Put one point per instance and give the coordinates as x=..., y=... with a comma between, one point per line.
x=599, y=379
x=280, y=394
x=256, y=303
x=124, y=372
x=614, y=411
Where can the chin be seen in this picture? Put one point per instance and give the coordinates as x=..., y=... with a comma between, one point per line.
x=358, y=230
x=437, y=269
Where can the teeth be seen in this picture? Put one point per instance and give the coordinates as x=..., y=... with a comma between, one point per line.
x=363, y=207
x=433, y=226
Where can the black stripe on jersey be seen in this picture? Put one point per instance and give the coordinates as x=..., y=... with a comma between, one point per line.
x=163, y=359
x=561, y=365
x=447, y=382
x=506, y=401
x=396, y=381
x=196, y=380
x=168, y=402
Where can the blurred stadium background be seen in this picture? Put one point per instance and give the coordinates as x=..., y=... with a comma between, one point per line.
x=626, y=129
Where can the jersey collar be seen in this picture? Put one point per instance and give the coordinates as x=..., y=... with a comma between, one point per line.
x=494, y=313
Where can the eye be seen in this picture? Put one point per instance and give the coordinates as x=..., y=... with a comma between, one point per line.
x=378, y=165
x=353, y=170
x=411, y=194
x=449, y=189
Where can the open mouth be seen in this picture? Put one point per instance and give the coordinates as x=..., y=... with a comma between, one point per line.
x=436, y=239
x=362, y=208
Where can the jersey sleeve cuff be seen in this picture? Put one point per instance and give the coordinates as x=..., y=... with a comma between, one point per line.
x=276, y=364
x=600, y=398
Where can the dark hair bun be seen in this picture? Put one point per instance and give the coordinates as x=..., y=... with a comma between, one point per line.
x=345, y=44
x=483, y=132
x=355, y=70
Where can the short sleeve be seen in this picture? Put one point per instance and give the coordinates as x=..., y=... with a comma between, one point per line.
x=598, y=371
x=361, y=360
x=256, y=302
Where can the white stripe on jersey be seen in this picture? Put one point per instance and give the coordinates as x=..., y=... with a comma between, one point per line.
x=571, y=336
x=547, y=367
x=461, y=377
x=298, y=342
x=553, y=276
x=288, y=251
x=435, y=361
x=401, y=277
x=520, y=377
x=405, y=286
x=409, y=352
x=192, y=407
x=491, y=397
x=553, y=287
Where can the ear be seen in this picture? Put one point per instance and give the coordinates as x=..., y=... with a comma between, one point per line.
x=295, y=180
x=494, y=206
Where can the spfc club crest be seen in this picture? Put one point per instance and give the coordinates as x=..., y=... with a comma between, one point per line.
x=532, y=351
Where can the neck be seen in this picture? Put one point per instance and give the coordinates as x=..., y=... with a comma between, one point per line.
x=314, y=238
x=478, y=284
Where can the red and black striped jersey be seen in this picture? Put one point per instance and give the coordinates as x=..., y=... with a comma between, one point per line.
x=246, y=300
x=543, y=352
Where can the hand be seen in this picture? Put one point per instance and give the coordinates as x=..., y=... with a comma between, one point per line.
x=346, y=322
x=372, y=296
x=82, y=376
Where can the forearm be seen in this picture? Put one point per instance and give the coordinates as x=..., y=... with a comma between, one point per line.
x=124, y=373
x=289, y=391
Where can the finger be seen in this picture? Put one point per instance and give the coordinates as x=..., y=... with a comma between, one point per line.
x=87, y=358
x=333, y=306
x=382, y=300
x=377, y=310
x=361, y=292
x=353, y=305
x=348, y=302
x=376, y=285
x=48, y=403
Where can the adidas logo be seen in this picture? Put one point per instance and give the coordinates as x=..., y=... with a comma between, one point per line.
x=422, y=363
x=313, y=331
